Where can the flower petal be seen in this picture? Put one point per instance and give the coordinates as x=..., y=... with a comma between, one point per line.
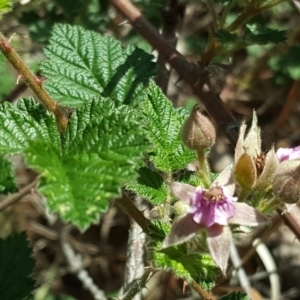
x=247, y=215
x=288, y=153
x=225, y=178
x=183, y=229
x=208, y=212
x=219, y=241
x=182, y=191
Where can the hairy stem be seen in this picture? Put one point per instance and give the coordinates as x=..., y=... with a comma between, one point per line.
x=31, y=80
x=203, y=169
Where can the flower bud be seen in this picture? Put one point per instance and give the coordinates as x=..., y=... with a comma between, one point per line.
x=286, y=183
x=197, y=132
x=180, y=208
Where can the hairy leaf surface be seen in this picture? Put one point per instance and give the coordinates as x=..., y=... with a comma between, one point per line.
x=199, y=267
x=82, y=65
x=27, y=121
x=163, y=122
x=101, y=150
x=150, y=185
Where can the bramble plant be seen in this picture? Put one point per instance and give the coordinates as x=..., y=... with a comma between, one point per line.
x=103, y=125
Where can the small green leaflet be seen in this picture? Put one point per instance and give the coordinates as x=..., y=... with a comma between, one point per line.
x=199, y=267
x=16, y=268
x=150, y=185
x=82, y=65
x=7, y=180
x=255, y=34
x=163, y=122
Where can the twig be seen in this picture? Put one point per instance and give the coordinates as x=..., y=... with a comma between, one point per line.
x=36, y=85
x=188, y=72
x=14, y=198
x=137, y=285
x=135, y=259
x=76, y=265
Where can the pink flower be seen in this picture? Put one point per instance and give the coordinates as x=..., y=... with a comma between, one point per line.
x=213, y=206
x=288, y=153
x=213, y=209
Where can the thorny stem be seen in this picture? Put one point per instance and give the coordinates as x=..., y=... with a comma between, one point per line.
x=213, y=14
x=205, y=295
x=36, y=86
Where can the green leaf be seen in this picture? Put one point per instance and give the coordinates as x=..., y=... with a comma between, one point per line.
x=163, y=122
x=150, y=185
x=100, y=127
x=195, y=266
x=7, y=181
x=27, y=121
x=236, y=296
x=16, y=267
x=82, y=65
x=225, y=37
x=101, y=151
x=255, y=34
